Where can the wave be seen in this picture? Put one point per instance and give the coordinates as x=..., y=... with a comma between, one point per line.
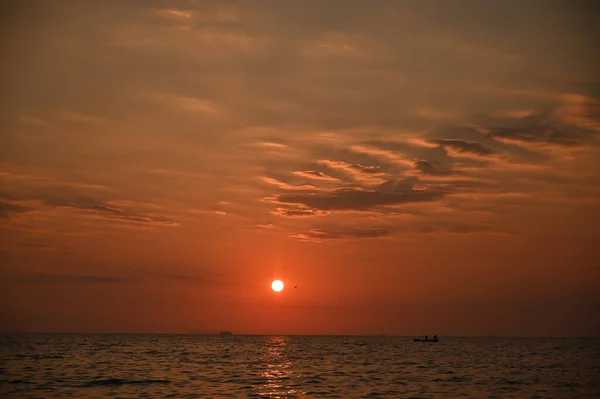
x=39, y=357
x=25, y=382
x=109, y=382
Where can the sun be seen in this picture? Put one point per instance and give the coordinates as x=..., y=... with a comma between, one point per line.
x=277, y=285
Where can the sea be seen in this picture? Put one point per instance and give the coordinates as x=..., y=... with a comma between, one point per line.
x=212, y=366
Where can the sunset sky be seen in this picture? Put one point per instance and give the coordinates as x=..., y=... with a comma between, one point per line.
x=413, y=167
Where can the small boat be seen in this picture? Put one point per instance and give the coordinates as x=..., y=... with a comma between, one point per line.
x=225, y=333
x=434, y=339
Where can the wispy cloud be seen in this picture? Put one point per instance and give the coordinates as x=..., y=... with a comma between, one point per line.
x=173, y=13
x=369, y=174
x=43, y=193
x=138, y=277
x=298, y=212
x=311, y=174
x=285, y=186
x=32, y=120
x=463, y=146
x=318, y=235
x=8, y=209
x=390, y=193
x=66, y=279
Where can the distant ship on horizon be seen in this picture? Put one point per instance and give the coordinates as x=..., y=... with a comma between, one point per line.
x=427, y=339
x=225, y=333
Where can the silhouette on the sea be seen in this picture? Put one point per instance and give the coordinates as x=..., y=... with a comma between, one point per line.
x=427, y=339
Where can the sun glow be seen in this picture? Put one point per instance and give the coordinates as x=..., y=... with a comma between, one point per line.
x=277, y=285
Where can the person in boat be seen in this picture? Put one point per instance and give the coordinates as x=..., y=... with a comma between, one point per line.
x=435, y=337
x=426, y=338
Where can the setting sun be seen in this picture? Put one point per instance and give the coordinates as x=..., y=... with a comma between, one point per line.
x=277, y=285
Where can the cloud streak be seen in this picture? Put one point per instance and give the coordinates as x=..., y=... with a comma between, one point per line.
x=463, y=146
x=8, y=210
x=318, y=235
x=359, y=200
x=41, y=194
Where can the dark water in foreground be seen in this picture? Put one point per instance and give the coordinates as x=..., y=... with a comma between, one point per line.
x=188, y=366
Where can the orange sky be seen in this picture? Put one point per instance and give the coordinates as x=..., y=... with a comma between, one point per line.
x=413, y=167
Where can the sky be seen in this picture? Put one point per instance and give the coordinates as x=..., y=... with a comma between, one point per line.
x=410, y=167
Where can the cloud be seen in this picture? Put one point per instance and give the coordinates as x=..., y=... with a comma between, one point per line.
x=298, y=212
x=457, y=228
x=266, y=226
x=172, y=13
x=77, y=117
x=32, y=120
x=8, y=210
x=272, y=144
x=186, y=277
x=285, y=186
x=580, y=111
x=41, y=193
x=317, y=235
x=572, y=124
x=105, y=211
x=513, y=113
x=335, y=46
x=311, y=174
x=188, y=103
x=427, y=168
x=464, y=146
x=370, y=174
x=132, y=278
x=66, y=278
x=197, y=15
x=375, y=150
x=394, y=192
x=475, y=144
x=407, y=151
x=535, y=135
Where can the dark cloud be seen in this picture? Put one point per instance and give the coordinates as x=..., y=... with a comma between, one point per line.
x=458, y=228
x=8, y=210
x=427, y=168
x=366, y=163
x=324, y=234
x=314, y=173
x=436, y=154
x=119, y=214
x=368, y=169
x=109, y=212
x=472, y=162
x=60, y=196
x=463, y=146
x=398, y=185
x=393, y=192
x=67, y=278
x=297, y=212
x=190, y=278
x=184, y=277
x=469, y=185
x=571, y=124
x=140, y=277
x=541, y=135
x=474, y=136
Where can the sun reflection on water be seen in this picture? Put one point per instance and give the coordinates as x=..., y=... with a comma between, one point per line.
x=278, y=370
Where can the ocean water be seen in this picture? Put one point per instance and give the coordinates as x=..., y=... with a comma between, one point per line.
x=197, y=366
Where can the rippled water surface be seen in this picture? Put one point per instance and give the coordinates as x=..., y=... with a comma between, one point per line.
x=196, y=366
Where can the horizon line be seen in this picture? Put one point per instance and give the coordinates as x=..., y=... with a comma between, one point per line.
x=298, y=335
